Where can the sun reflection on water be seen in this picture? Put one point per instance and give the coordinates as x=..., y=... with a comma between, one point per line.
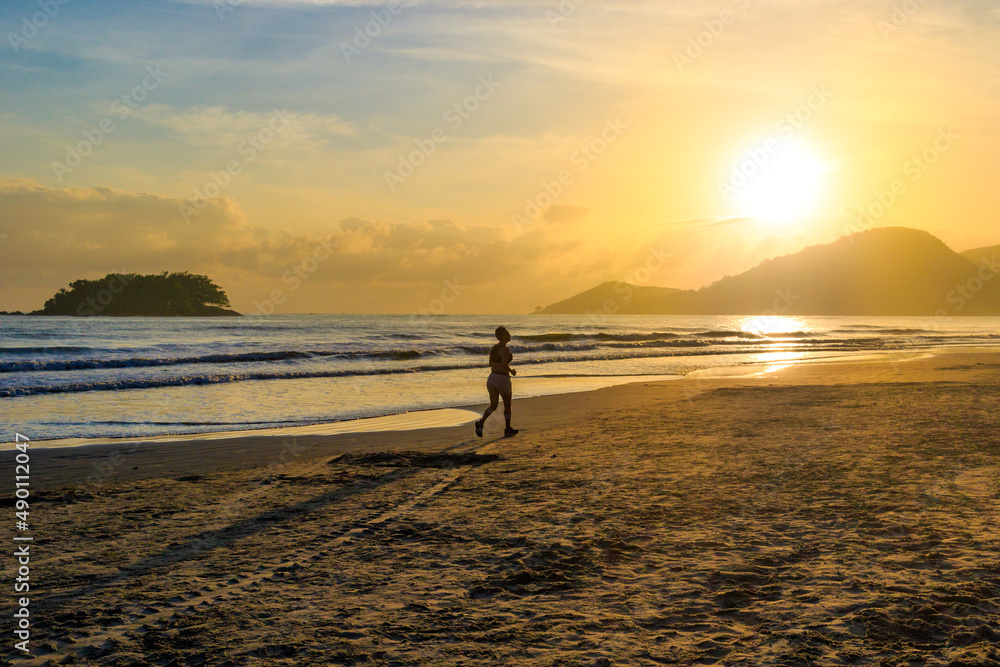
x=773, y=325
x=780, y=329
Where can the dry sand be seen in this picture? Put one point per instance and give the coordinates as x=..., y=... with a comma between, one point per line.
x=816, y=515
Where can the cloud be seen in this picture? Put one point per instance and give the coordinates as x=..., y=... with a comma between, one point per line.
x=94, y=229
x=566, y=214
x=220, y=126
x=354, y=265
x=70, y=233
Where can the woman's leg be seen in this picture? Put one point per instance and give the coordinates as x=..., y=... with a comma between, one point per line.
x=507, y=400
x=494, y=400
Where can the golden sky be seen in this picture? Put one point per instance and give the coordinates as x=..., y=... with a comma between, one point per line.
x=353, y=157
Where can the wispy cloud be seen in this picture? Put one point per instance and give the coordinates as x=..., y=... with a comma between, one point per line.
x=221, y=126
x=69, y=233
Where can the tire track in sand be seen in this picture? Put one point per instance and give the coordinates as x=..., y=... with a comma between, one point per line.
x=144, y=616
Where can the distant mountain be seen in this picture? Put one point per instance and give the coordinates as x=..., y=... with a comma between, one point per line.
x=610, y=296
x=981, y=255
x=885, y=271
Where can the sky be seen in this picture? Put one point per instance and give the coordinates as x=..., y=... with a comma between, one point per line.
x=483, y=156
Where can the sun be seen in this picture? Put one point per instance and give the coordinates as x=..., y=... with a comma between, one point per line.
x=788, y=187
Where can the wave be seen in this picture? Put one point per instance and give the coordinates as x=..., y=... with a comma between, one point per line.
x=48, y=348
x=98, y=363
x=659, y=336
x=120, y=422
x=477, y=350
x=181, y=381
x=390, y=355
x=871, y=328
x=194, y=380
x=748, y=335
x=245, y=357
x=553, y=343
x=600, y=336
x=184, y=381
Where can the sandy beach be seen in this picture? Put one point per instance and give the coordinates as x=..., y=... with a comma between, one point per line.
x=822, y=514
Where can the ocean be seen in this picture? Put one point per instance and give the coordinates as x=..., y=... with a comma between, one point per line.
x=63, y=377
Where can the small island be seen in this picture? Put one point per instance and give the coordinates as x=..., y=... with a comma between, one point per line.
x=133, y=295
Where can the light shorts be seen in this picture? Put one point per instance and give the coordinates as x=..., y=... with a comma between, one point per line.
x=499, y=383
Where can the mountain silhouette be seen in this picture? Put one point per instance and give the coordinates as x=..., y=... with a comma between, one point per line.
x=980, y=255
x=610, y=295
x=885, y=271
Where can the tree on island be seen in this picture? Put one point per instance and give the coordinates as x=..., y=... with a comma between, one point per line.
x=132, y=294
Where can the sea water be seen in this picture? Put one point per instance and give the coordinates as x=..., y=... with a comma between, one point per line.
x=64, y=377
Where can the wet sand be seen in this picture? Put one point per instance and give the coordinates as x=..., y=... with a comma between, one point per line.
x=823, y=514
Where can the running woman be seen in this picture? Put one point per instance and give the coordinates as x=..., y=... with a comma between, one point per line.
x=498, y=384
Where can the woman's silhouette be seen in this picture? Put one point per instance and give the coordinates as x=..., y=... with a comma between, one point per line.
x=498, y=384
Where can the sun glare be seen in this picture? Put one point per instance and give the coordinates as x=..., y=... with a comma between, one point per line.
x=787, y=188
x=772, y=325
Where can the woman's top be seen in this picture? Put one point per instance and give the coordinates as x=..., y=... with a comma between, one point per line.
x=497, y=357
